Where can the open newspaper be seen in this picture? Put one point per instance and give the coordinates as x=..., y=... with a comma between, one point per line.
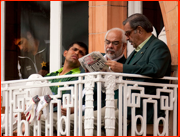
x=94, y=62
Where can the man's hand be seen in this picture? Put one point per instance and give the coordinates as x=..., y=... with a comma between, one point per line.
x=86, y=70
x=115, y=66
x=43, y=72
x=63, y=111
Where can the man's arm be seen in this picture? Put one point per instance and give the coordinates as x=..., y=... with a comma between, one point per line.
x=153, y=64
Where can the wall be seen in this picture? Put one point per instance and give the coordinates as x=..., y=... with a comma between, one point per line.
x=104, y=15
x=169, y=11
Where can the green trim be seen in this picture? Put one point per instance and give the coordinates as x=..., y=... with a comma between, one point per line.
x=60, y=70
x=76, y=71
x=73, y=71
x=56, y=73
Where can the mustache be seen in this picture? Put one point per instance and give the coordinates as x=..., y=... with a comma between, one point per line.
x=110, y=50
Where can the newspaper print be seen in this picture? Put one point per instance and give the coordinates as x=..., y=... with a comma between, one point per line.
x=94, y=62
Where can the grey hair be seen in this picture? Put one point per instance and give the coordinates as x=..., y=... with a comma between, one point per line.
x=118, y=29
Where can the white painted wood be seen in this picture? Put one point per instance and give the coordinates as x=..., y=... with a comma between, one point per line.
x=55, y=35
x=133, y=7
x=15, y=88
x=2, y=41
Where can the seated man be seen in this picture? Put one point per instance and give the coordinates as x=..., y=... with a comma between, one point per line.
x=71, y=66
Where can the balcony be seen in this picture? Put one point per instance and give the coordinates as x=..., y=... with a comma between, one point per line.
x=16, y=95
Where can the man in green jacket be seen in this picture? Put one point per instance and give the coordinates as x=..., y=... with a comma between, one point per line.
x=151, y=57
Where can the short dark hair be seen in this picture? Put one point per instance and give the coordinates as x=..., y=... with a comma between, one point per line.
x=81, y=44
x=138, y=19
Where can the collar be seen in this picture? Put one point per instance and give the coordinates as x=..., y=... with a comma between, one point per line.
x=142, y=44
x=116, y=59
x=74, y=71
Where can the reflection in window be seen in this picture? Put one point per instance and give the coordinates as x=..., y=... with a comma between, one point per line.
x=27, y=30
x=27, y=27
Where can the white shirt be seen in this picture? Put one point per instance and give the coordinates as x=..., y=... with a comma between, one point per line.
x=116, y=59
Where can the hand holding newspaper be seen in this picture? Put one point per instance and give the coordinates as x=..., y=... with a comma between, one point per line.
x=94, y=62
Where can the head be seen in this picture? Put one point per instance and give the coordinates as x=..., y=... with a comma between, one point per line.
x=24, y=39
x=75, y=51
x=115, y=43
x=137, y=27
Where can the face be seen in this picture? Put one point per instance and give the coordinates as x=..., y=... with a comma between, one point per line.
x=23, y=44
x=73, y=54
x=131, y=35
x=113, y=44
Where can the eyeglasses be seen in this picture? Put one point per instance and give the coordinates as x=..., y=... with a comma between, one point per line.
x=114, y=43
x=128, y=33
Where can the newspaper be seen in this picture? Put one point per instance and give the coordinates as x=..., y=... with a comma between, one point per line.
x=94, y=62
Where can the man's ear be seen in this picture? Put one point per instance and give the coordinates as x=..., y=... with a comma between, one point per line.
x=139, y=29
x=124, y=46
x=65, y=52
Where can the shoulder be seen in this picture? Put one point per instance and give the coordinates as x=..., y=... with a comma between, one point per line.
x=156, y=44
x=157, y=41
x=55, y=73
x=75, y=71
x=52, y=74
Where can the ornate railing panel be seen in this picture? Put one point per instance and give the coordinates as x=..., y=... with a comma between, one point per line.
x=16, y=96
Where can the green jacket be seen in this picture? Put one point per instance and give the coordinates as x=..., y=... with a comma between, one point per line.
x=153, y=60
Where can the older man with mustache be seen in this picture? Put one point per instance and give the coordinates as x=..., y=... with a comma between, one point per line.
x=114, y=45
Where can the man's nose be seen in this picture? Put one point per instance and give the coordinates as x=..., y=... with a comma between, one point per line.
x=20, y=47
x=110, y=45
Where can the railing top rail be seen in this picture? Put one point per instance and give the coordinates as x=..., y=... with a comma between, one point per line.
x=84, y=74
x=77, y=82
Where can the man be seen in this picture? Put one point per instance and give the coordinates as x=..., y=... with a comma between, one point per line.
x=75, y=51
x=151, y=57
x=115, y=44
x=34, y=53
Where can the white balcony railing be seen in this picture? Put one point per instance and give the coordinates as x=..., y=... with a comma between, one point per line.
x=16, y=97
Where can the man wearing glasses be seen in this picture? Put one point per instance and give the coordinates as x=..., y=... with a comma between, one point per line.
x=114, y=45
x=151, y=57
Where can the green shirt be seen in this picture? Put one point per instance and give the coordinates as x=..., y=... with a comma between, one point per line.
x=54, y=89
